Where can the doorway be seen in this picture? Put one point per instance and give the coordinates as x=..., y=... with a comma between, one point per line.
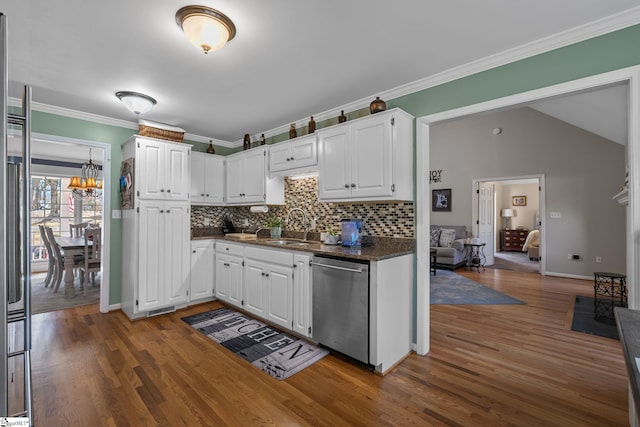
x=54, y=161
x=627, y=77
x=507, y=214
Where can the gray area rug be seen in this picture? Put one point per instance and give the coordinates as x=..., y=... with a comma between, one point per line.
x=448, y=287
x=268, y=349
x=44, y=299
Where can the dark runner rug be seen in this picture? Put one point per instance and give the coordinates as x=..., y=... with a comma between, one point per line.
x=448, y=287
x=584, y=320
x=270, y=350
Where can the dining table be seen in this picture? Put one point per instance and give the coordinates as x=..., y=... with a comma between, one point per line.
x=70, y=246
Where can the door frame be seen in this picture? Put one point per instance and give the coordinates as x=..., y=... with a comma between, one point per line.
x=630, y=76
x=541, y=210
x=106, y=206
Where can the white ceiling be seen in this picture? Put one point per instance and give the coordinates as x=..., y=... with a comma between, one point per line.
x=289, y=60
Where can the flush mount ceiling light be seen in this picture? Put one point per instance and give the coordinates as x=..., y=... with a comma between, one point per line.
x=205, y=28
x=138, y=103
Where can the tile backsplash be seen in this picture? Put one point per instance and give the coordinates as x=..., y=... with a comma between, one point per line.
x=390, y=219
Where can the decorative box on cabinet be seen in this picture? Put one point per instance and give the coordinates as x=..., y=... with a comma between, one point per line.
x=207, y=179
x=155, y=233
x=247, y=181
x=513, y=240
x=367, y=159
x=298, y=155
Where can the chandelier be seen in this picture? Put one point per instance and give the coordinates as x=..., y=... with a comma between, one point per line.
x=88, y=184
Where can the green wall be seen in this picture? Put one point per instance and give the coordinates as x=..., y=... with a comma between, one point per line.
x=595, y=56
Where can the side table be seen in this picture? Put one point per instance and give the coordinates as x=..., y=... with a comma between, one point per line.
x=609, y=291
x=475, y=255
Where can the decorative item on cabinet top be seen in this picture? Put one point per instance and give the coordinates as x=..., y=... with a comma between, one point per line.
x=292, y=131
x=210, y=148
x=247, y=142
x=160, y=131
x=262, y=139
x=312, y=125
x=377, y=105
x=342, y=118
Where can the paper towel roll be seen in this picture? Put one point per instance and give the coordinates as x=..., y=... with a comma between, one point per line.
x=259, y=209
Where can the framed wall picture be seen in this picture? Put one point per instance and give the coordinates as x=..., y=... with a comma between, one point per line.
x=441, y=200
x=519, y=200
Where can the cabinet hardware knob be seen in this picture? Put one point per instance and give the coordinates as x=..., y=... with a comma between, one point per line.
x=292, y=158
x=346, y=186
x=194, y=251
x=169, y=191
x=162, y=190
x=266, y=274
x=161, y=211
x=168, y=210
x=201, y=194
x=288, y=159
x=207, y=195
x=353, y=185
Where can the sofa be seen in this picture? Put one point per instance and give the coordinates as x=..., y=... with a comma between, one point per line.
x=448, y=241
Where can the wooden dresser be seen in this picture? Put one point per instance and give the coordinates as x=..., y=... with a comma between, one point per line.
x=512, y=240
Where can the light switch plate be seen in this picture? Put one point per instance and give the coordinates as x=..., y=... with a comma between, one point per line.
x=555, y=215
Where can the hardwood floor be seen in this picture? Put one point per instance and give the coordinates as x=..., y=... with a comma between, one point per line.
x=492, y=365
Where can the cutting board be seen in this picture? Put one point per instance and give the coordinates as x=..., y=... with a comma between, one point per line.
x=241, y=236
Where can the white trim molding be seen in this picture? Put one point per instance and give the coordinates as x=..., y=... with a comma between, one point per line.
x=630, y=76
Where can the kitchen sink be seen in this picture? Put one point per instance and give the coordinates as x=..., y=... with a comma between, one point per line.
x=288, y=242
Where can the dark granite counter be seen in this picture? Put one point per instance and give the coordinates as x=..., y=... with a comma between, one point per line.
x=628, y=322
x=373, y=248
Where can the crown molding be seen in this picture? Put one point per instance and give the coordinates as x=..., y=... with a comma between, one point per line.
x=95, y=118
x=565, y=38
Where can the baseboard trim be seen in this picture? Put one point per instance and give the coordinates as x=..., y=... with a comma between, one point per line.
x=568, y=276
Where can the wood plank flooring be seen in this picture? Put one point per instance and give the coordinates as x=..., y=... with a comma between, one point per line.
x=492, y=365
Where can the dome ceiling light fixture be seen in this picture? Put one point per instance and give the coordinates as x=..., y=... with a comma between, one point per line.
x=137, y=103
x=205, y=28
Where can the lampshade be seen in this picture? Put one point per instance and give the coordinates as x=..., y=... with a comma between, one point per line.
x=205, y=28
x=75, y=183
x=507, y=213
x=138, y=103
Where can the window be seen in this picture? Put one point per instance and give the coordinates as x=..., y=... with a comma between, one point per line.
x=52, y=205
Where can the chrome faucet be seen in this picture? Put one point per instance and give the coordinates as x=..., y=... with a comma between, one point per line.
x=305, y=223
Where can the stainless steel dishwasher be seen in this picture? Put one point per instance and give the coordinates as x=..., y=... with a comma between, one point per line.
x=341, y=305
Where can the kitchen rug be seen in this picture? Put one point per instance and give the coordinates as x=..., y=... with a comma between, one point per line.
x=584, y=321
x=447, y=287
x=270, y=350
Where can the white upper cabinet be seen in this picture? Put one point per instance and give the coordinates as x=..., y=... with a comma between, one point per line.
x=163, y=169
x=367, y=159
x=207, y=179
x=247, y=181
x=294, y=156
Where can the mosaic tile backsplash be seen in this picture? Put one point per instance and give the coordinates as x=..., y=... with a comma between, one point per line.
x=391, y=219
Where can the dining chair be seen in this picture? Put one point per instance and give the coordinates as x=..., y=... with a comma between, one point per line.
x=92, y=256
x=50, y=256
x=77, y=230
x=58, y=259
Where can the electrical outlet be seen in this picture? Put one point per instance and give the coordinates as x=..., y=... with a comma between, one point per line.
x=206, y=222
x=246, y=222
x=569, y=256
x=598, y=259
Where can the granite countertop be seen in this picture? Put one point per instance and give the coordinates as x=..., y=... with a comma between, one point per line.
x=628, y=322
x=373, y=248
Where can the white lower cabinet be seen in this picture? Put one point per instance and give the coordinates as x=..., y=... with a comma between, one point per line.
x=268, y=285
x=302, y=293
x=228, y=272
x=202, y=269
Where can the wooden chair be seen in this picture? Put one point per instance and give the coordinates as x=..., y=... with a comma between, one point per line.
x=92, y=256
x=47, y=245
x=77, y=230
x=58, y=260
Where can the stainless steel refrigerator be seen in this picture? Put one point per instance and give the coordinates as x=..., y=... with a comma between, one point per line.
x=15, y=267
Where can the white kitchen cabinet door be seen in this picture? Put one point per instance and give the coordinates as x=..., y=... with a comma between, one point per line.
x=214, y=179
x=235, y=278
x=280, y=295
x=290, y=155
x=202, y=269
x=178, y=177
x=197, y=178
x=222, y=279
x=163, y=254
x=254, y=176
x=235, y=179
x=176, y=248
x=371, y=157
x=334, y=164
x=162, y=170
x=207, y=179
x=302, y=294
x=151, y=255
x=255, y=288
